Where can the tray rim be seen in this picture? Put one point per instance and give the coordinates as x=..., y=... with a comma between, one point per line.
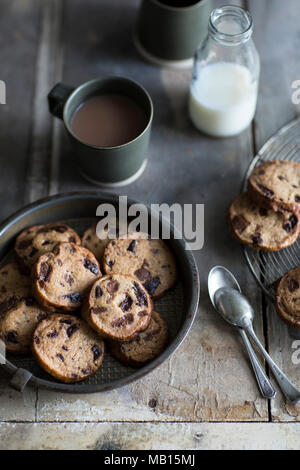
x=192, y=307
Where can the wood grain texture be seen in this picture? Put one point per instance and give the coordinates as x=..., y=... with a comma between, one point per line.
x=19, y=37
x=16, y=406
x=149, y=436
x=42, y=162
x=281, y=350
x=209, y=378
x=277, y=31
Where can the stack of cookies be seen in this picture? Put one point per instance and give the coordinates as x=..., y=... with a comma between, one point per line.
x=63, y=297
x=267, y=216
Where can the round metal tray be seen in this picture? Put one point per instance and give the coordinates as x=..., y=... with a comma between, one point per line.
x=178, y=306
x=268, y=267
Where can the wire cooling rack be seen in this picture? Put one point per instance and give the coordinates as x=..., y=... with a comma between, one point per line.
x=268, y=267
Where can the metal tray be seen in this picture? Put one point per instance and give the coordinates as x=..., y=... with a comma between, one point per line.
x=268, y=267
x=178, y=306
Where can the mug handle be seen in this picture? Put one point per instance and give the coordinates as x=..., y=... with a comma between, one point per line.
x=57, y=98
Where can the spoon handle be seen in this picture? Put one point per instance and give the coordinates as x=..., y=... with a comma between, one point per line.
x=288, y=389
x=266, y=388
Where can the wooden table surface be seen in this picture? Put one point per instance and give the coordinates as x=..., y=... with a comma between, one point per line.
x=205, y=396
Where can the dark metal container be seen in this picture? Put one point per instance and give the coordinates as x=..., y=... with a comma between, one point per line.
x=178, y=306
x=105, y=166
x=170, y=31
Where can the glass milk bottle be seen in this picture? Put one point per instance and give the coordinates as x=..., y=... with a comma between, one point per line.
x=223, y=91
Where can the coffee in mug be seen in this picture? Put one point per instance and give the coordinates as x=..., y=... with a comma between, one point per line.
x=108, y=120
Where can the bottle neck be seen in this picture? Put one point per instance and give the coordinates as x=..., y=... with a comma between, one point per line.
x=230, y=25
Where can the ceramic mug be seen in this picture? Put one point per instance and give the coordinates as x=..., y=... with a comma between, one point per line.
x=105, y=166
x=168, y=31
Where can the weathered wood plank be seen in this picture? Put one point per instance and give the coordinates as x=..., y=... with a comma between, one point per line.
x=149, y=436
x=41, y=167
x=209, y=378
x=15, y=406
x=19, y=36
x=281, y=351
x=277, y=32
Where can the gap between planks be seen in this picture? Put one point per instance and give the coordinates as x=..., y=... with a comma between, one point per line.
x=246, y=5
x=44, y=149
x=137, y=422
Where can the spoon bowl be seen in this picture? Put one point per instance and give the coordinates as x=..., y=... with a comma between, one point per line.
x=220, y=277
x=233, y=306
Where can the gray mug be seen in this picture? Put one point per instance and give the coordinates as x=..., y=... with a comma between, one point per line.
x=168, y=32
x=105, y=166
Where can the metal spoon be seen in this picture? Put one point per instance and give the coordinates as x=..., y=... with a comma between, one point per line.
x=236, y=309
x=218, y=278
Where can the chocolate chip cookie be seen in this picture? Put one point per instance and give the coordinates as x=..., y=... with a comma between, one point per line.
x=18, y=325
x=62, y=277
x=19, y=313
x=262, y=228
x=276, y=184
x=67, y=348
x=34, y=241
x=118, y=307
x=288, y=297
x=12, y=283
x=145, y=347
x=95, y=244
x=149, y=261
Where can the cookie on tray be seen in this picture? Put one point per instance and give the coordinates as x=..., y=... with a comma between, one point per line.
x=62, y=277
x=12, y=283
x=96, y=241
x=18, y=325
x=145, y=347
x=262, y=228
x=19, y=312
x=276, y=184
x=288, y=297
x=150, y=261
x=95, y=244
x=118, y=307
x=67, y=348
x=34, y=241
